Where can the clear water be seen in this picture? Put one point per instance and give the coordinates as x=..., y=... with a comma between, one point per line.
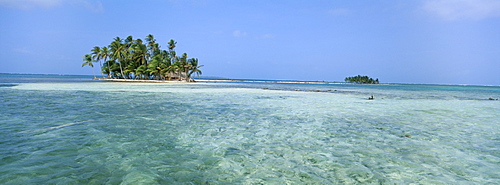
x=65, y=130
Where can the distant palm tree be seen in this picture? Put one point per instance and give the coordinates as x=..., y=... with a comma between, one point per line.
x=88, y=61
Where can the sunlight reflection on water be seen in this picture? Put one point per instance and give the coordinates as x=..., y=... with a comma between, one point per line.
x=245, y=134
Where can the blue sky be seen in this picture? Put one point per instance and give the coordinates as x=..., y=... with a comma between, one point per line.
x=399, y=41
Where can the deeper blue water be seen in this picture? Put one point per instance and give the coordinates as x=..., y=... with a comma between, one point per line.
x=72, y=130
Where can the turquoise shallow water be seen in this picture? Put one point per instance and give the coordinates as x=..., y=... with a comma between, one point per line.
x=68, y=130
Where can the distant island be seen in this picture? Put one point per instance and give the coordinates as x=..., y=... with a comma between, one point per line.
x=361, y=80
x=134, y=59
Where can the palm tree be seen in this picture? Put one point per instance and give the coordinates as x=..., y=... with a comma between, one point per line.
x=104, y=54
x=155, y=68
x=131, y=58
x=153, y=47
x=88, y=61
x=168, y=70
x=171, y=44
x=96, y=55
x=140, y=55
x=141, y=70
x=118, y=53
x=184, y=65
x=176, y=69
x=194, y=68
x=129, y=41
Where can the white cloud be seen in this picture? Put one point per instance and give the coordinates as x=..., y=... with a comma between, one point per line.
x=451, y=10
x=92, y=6
x=238, y=33
x=30, y=4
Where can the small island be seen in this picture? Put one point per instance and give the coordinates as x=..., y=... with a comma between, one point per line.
x=361, y=80
x=134, y=59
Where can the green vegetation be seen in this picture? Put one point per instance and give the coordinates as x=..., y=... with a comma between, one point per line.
x=88, y=61
x=361, y=79
x=133, y=59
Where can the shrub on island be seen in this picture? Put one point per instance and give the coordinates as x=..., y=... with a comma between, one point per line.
x=361, y=80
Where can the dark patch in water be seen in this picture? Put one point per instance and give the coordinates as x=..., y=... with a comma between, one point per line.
x=232, y=151
x=8, y=85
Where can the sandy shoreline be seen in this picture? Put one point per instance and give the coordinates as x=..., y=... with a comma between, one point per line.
x=140, y=81
x=277, y=81
x=215, y=81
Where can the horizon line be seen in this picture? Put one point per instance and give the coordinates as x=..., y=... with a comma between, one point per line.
x=287, y=80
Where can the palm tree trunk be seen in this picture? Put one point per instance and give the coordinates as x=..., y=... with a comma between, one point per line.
x=93, y=72
x=121, y=71
x=109, y=69
x=188, y=77
x=100, y=65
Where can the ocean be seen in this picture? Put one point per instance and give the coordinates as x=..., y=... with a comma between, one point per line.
x=63, y=129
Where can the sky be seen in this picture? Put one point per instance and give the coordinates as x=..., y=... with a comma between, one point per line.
x=396, y=41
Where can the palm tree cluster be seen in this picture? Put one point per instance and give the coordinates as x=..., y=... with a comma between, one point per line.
x=361, y=79
x=135, y=59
